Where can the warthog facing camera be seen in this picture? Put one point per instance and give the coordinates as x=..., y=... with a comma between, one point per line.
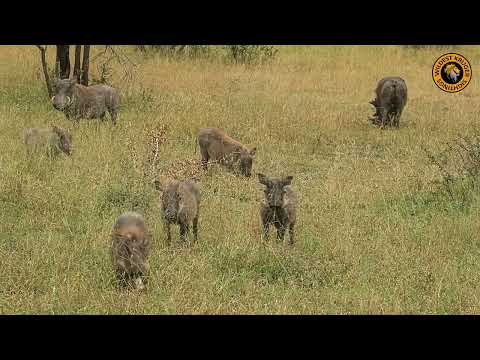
x=279, y=207
x=180, y=204
x=130, y=248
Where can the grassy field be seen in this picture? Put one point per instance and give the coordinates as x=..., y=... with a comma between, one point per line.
x=371, y=236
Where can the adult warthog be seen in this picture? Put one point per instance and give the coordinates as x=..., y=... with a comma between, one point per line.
x=391, y=98
x=88, y=102
x=180, y=204
x=217, y=145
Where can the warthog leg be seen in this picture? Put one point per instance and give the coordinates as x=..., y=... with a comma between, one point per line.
x=397, y=118
x=184, y=228
x=280, y=232
x=195, y=229
x=113, y=115
x=383, y=117
x=291, y=233
x=205, y=158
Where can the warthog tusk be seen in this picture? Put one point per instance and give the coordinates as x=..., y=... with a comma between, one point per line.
x=69, y=100
x=53, y=97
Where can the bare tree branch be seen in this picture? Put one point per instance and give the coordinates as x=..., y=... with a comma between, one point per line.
x=85, y=64
x=76, y=66
x=63, y=61
x=45, y=69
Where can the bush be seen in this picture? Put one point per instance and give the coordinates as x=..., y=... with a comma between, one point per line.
x=238, y=54
x=250, y=54
x=420, y=47
x=177, y=51
x=459, y=166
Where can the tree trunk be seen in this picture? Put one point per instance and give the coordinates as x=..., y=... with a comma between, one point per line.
x=86, y=61
x=76, y=66
x=63, y=61
x=45, y=70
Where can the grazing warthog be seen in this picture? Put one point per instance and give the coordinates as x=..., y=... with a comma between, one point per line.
x=279, y=206
x=130, y=248
x=215, y=144
x=88, y=102
x=53, y=140
x=391, y=98
x=180, y=203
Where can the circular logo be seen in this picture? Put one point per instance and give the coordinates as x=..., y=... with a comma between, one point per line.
x=452, y=72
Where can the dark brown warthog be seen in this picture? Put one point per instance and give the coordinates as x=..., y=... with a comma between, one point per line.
x=279, y=206
x=130, y=248
x=88, y=102
x=180, y=203
x=391, y=98
x=215, y=144
x=54, y=140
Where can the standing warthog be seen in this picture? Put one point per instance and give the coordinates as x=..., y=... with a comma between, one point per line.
x=391, y=98
x=180, y=203
x=89, y=102
x=130, y=248
x=53, y=140
x=279, y=206
x=215, y=144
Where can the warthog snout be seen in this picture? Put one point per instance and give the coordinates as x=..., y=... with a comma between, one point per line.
x=274, y=195
x=60, y=102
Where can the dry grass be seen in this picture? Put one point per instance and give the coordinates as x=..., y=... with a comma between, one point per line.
x=368, y=240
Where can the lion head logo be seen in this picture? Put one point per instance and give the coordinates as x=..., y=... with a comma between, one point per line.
x=452, y=72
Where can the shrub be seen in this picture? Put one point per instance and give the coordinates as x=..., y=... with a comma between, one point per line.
x=176, y=51
x=238, y=54
x=251, y=54
x=459, y=166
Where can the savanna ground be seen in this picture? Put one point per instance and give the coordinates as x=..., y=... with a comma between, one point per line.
x=372, y=235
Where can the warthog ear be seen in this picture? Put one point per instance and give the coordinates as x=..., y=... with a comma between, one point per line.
x=158, y=185
x=253, y=151
x=263, y=179
x=287, y=180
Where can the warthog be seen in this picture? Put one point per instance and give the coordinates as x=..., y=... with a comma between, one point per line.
x=279, y=206
x=180, y=204
x=391, y=98
x=215, y=144
x=89, y=102
x=130, y=248
x=53, y=140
